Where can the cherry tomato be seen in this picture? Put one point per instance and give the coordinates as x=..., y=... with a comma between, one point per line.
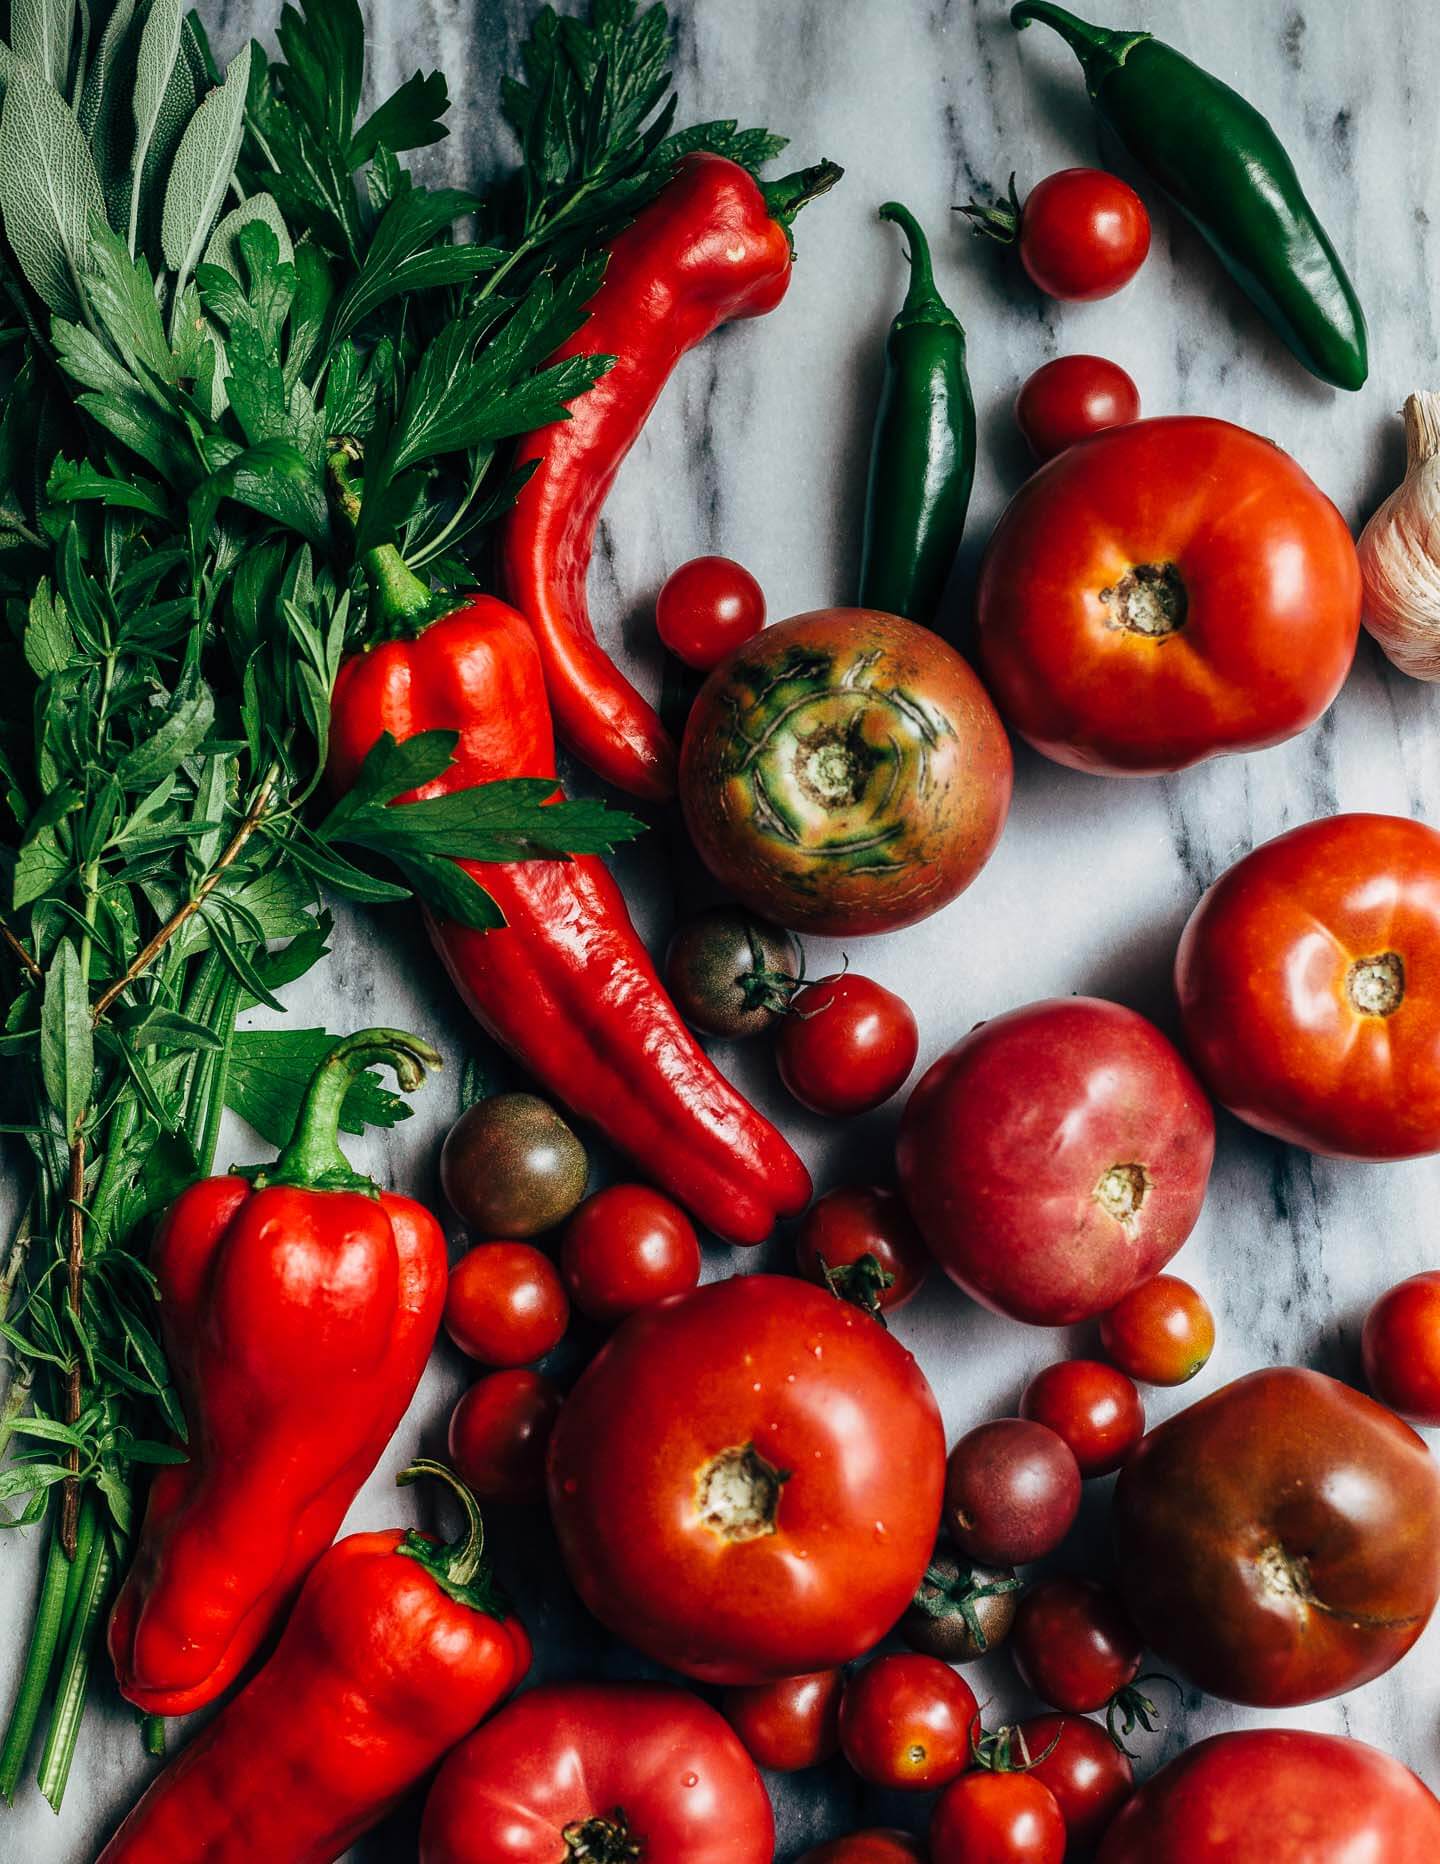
x=746, y=1481
x=997, y=1818
x=962, y=1610
x=1083, y=235
x=512, y=1167
x=626, y=1247
x=499, y=1433
x=1071, y=398
x=1073, y=1644
x=1090, y=1406
x=1012, y=1491
x=905, y=1722
x=875, y=1847
x=847, y=1045
x=1161, y=1333
x=1089, y=1775
x=1309, y=982
x=791, y=1724
x=1401, y=1345
x=1172, y=590
x=706, y=608
x=731, y=975
x=599, y=1771
x=1056, y=1156
x=1278, y=1796
x=506, y=1306
x=858, y=1240
x=845, y=773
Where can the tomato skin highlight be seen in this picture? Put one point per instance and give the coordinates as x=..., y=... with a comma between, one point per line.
x=1070, y=398
x=1084, y=234
x=1091, y=1407
x=905, y=1722
x=626, y=1248
x=706, y=608
x=1166, y=592
x=1309, y=986
x=1162, y=1333
x=846, y=1045
x=746, y=1481
x=1278, y=1796
x=789, y=1725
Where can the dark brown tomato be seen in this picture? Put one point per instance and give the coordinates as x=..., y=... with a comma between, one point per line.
x=962, y=1610
x=512, y=1167
x=731, y=975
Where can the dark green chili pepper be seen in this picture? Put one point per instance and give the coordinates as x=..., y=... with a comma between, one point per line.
x=1226, y=169
x=922, y=462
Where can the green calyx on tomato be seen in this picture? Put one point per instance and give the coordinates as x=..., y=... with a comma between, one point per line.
x=954, y=1589
x=601, y=1841
x=861, y=1283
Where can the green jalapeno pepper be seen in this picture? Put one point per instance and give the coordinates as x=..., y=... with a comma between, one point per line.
x=922, y=463
x=1225, y=168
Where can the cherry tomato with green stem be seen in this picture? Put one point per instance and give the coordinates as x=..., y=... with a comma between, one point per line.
x=788, y=1725
x=626, y=1248
x=499, y=1433
x=847, y=1045
x=1071, y=398
x=905, y=1722
x=706, y=609
x=506, y=1305
x=1090, y=1406
x=1088, y=1772
x=1082, y=233
x=860, y=1241
x=732, y=975
x=1162, y=1333
x=1401, y=1347
x=1074, y=1644
x=997, y=1818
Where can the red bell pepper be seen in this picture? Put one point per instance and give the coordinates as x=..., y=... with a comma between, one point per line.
x=396, y=1648
x=298, y=1312
x=713, y=245
x=566, y=985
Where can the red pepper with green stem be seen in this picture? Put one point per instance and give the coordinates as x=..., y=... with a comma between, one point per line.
x=712, y=246
x=566, y=984
x=298, y=1312
x=396, y=1648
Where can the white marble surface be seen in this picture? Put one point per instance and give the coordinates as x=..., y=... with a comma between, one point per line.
x=757, y=450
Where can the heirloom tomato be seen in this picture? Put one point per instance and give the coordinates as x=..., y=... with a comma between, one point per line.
x=746, y=1481
x=1164, y=592
x=1278, y=1796
x=1309, y=983
x=844, y=772
x=1055, y=1157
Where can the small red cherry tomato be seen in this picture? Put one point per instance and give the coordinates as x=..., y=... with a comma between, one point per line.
x=506, y=1305
x=1083, y=233
x=1401, y=1345
x=997, y=1818
x=1074, y=1645
x=791, y=1724
x=905, y=1722
x=1090, y=1406
x=707, y=607
x=859, y=1241
x=846, y=1045
x=625, y=1248
x=1072, y=397
x=1089, y=1775
x=873, y=1847
x=1162, y=1332
x=1012, y=1491
x=499, y=1433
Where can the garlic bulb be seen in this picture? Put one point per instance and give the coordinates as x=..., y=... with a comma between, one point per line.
x=1400, y=551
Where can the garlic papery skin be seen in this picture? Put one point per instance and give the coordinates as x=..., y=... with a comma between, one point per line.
x=1400, y=551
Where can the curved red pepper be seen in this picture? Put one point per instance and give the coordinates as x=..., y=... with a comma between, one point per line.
x=566, y=985
x=297, y=1321
x=395, y=1650
x=711, y=246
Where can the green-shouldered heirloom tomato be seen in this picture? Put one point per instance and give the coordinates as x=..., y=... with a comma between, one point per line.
x=1309, y=984
x=1164, y=592
x=1279, y=1541
x=844, y=772
x=1278, y=1796
x=746, y=1481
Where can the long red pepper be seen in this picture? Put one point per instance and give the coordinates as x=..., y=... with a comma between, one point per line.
x=396, y=1648
x=712, y=246
x=298, y=1313
x=566, y=985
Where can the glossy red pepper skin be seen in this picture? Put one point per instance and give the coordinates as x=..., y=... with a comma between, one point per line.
x=705, y=251
x=380, y=1671
x=566, y=985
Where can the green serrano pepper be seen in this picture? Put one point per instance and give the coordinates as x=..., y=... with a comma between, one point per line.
x=922, y=463
x=1226, y=169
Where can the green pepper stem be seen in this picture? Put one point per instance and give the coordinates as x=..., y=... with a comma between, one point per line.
x=923, y=303
x=1099, y=49
x=313, y=1156
x=401, y=601
x=784, y=198
x=462, y=1561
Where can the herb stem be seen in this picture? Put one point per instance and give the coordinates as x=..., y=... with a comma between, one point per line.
x=39, y=1661
x=87, y=1613
x=22, y=957
x=74, y=1377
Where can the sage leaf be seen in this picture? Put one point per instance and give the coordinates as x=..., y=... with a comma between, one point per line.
x=204, y=165
x=40, y=33
x=223, y=249
x=97, y=99
x=49, y=191
x=159, y=48
x=67, y=1044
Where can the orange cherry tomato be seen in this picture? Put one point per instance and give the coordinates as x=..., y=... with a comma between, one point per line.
x=1162, y=1333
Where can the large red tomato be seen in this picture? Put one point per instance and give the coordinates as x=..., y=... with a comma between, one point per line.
x=1280, y=1540
x=1278, y=1796
x=746, y=1481
x=1055, y=1157
x=600, y=1770
x=1164, y=592
x=1309, y=981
